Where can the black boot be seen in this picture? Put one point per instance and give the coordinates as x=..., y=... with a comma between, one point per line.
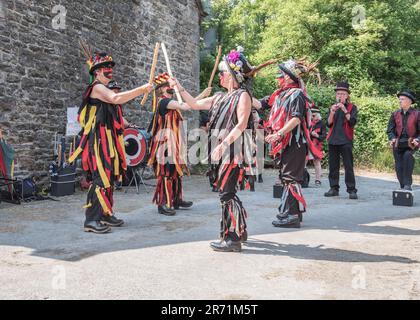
x=331, y=193
x=183, y=204
x=112, y=221
x=226, y=246
x=166, y=211
x=353, y=195
x=96, y=227
x=214, y=189
x=260, y=178
x=291, y=221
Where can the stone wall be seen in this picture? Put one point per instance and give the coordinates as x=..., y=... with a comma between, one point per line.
x=42, y=71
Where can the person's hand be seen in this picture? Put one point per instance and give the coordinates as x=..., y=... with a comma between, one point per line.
x=334, y=108
x=392, y=143
x=271, y=138
x=173, y=82
x=314, y=134
x=148, y=87
x=416, y=142
x=207, y=92
x=342, y=107
x=217, y=153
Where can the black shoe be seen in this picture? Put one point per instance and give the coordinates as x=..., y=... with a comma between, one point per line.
x=331, y=193
x=183, y=204
x=112, y=221
x=226, y=246
x=96, y=227
x=282, y=216
x=166, y=211
x=214, y=189
x=353, y=195
x=291, y=221
x=260, y=178
x=244, y=236
x=407, y=188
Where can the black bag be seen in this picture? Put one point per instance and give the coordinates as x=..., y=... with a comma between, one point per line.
x=306, y=179
x=402, y=198
x=26, y=188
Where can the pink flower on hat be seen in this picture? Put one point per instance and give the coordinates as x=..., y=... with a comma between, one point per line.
x=234, y=56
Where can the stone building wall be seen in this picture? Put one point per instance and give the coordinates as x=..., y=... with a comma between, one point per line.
x=42, y=71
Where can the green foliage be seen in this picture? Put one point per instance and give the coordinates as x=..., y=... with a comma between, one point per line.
x=373, y=44
x=371, y=140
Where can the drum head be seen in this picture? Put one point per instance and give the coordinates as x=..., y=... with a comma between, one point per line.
x=135, y=147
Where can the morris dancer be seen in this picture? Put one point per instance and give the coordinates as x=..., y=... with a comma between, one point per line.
x=287, y=125
x=167, y=150
x=102, y=145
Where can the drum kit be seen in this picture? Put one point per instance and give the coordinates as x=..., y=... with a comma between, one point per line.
x=137, y=143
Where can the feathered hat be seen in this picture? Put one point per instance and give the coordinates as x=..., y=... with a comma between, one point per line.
x=237, y=64
x=96, y=61
x=295, y=69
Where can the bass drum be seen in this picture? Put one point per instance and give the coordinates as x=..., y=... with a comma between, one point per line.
x=136, y=143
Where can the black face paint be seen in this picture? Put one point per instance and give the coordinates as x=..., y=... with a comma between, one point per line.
x=170, y=91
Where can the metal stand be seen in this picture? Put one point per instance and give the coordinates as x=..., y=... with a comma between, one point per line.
x=137, y=178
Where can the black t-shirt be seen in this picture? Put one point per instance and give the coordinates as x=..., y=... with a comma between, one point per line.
x=163, y=106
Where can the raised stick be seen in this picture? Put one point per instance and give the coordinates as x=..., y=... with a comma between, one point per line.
x=152, y=71
x=168, y=67
x=216, y=65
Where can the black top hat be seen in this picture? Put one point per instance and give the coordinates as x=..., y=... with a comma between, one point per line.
x=113, y=85
x=409, y=94
x=101, y=60
x=343, y=85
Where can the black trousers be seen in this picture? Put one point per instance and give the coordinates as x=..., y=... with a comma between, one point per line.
x=404, y=166
x=292, y=163
x=344, y=151
x=292, y=168
x=94, y=211
x=232, y=208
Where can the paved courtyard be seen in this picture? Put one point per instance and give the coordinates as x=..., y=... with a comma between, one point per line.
x=364, y=249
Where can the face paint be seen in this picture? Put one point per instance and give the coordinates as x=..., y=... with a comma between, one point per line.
x=107, y=73
x=170, y=91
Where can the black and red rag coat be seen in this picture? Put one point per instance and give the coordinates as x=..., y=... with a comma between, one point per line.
x=223, y=119
x=167, y=152
x=281, y=103
x=101, y=147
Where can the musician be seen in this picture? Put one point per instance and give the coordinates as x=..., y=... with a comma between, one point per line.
x=342, y=119
x=404, y=136
x=168, y=148
x=101, y=145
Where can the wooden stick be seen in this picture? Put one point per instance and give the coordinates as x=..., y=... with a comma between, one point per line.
x=168, y=67
x=152, y=71
x=216, y=65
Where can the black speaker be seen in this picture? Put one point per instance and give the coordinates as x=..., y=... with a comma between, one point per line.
x=402, y=198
